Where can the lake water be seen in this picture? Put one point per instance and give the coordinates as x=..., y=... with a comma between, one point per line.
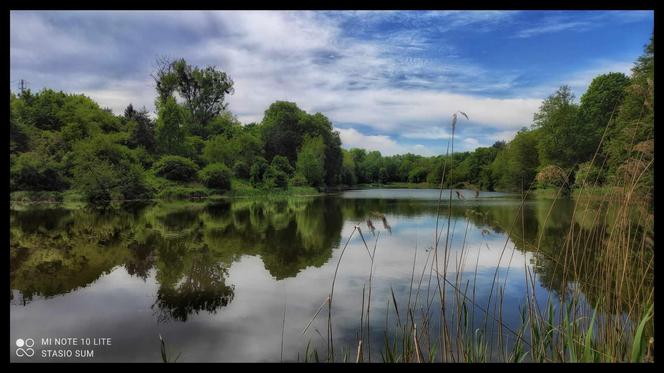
x=229, y=280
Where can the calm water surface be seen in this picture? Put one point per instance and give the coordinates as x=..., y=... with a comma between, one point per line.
x=214, y=278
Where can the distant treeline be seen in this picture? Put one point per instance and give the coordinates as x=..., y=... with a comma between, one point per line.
x=64, y=141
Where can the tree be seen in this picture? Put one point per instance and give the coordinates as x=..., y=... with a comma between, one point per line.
x=515, y=166
x=257, y=171
x=311, y=161
x=284, y=128
x=348, y=176
x=170, y=132
x=559, y=141
x=203, y=90
x=599, y=104
x=371, y=165
x=141, y=129
x=242, y=146
x=635, y=120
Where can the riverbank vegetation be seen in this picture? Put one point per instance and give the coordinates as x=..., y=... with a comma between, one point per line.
x=195, y=147
x=601, y=260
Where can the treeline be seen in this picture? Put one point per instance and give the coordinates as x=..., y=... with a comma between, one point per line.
x=605, y=139
x=64, y=141
x=196, y=146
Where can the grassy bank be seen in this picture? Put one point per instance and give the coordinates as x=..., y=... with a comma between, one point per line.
x=166, y=190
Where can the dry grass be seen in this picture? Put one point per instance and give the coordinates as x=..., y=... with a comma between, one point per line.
x=603, y=313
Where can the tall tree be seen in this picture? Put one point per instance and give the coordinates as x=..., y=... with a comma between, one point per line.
x=557, y=120
x=630, y=150
x=203, y=89
x=170, y=131
x=598, y=105
x=141, y=129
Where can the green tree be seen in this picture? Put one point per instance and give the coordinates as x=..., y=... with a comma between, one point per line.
x=635, y=121
x=598, y=105
x=515, y=167
x=170, y=132
x=348, y=176
x=141, y=129
x=284, y=128
x=311, y=161
x=559, y=141
x=203, y=90
x=243, y=146
x=257, y=171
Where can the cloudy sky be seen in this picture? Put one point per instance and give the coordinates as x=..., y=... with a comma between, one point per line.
x=389, y=81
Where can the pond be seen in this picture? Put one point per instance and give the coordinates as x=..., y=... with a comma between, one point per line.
x=242, y=279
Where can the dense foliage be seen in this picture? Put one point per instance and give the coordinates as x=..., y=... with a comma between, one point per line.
x=216, y=175
x=62, y=141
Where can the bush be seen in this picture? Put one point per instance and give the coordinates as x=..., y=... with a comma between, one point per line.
x=593, y=175
x=282, y=164
x=274, y=178
x=257, y=170
x=241, y=170
x=299, y=180
x=183, y=192
x=174, y=167
x=104, y=171
x=217, y=176
x=31, y=171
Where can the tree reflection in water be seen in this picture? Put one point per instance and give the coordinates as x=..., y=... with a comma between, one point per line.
x=189, y=246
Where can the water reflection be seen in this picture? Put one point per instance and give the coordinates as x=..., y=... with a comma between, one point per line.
x=189, y=251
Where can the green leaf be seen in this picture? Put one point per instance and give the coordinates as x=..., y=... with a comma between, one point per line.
x=637, y=345
x=587, y=349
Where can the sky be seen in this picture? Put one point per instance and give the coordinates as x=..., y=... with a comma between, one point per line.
x=388, y=80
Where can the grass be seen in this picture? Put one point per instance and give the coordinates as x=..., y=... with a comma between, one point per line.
x=616, y=327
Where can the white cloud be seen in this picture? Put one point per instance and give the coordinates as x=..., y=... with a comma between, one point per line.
x=471, y=143
x=436, y=133
x=304, y=57
x=352, y=138
x=580, y=80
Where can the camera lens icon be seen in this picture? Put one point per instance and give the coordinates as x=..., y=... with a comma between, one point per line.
x=24, y=347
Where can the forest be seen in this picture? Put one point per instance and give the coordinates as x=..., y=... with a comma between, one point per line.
x=195, y=147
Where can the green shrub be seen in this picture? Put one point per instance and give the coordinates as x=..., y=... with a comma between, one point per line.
x=592, y=175
x=31, y=171
x=217, y=176
x=299, y=180
x=174, y=167
x=183, y=192
x=282, y=164
x=274, y=178
x=104, y=171
x=241, y=170
x=257, y=170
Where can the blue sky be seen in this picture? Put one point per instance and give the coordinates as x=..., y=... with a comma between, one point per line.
x=388, y=80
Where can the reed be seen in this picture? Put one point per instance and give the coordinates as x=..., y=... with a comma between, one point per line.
x=603, y=313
